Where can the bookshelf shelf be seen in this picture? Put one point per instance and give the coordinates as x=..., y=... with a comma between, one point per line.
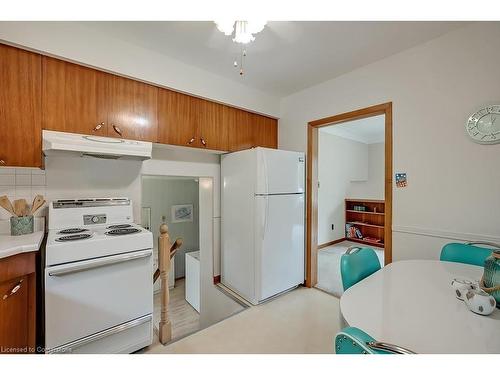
x=369, y=222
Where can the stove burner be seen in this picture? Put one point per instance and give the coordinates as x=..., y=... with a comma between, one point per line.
x=72, y=231
x=119, y=226
x=123, y=231
x=73, y=237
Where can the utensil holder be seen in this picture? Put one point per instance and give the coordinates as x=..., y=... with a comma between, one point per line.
x=21, y=225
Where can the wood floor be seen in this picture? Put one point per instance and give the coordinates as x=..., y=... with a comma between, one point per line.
x=185, y=319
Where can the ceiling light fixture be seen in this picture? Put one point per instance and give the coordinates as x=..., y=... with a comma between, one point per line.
x=243, y=34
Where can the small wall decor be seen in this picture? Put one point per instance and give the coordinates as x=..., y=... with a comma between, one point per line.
x=483, y=126
x=401, y=180
x=182, y=213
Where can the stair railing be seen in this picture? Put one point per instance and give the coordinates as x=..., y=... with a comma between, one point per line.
x=166, y=251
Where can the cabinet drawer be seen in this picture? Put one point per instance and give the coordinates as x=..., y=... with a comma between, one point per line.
x=16, y=266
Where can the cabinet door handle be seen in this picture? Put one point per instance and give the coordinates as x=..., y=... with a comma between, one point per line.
x=2, y=162
x=13, y=290
x=117, y=129
x=191, y=141
x=98, y=126
x=203, y=142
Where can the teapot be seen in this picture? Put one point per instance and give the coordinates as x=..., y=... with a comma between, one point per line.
x=480, y=302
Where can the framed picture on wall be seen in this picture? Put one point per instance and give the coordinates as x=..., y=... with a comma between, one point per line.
x=182, y=213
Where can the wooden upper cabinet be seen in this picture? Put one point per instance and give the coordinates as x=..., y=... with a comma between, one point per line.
x=20, y=108
x=212, y=132
x=265, y=131
x=132, y=109
x=73, y=98
x=247, y=130
x=177, y=123
x=240, y=129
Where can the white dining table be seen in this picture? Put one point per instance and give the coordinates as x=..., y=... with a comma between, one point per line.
x=412, y=304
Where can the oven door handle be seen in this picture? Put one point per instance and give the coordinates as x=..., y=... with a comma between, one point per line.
x=100, y=262
x=100, y=335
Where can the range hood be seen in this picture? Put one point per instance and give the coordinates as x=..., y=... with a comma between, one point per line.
x=69, y=144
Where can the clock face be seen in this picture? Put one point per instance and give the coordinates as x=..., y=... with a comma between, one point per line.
x=484, y=125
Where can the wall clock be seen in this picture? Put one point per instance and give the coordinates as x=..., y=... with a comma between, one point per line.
x=484, y=125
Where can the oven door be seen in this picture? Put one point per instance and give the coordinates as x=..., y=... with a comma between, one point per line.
x=86, y=297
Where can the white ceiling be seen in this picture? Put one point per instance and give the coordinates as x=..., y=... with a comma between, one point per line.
x=368, y=130
x=286, y=57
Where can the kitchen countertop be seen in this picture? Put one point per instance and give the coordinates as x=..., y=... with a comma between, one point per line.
x=12, y=245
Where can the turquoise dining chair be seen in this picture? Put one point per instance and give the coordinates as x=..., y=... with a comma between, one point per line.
x=352, y=340
x=356, y=264
x=467, y=253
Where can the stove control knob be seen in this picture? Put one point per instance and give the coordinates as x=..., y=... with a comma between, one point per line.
x=95, y=219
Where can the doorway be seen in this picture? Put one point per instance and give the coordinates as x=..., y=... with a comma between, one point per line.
x=360, y=211
x=174, y=201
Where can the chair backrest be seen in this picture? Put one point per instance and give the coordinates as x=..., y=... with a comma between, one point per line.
x=465, y=253
x=356, y=264
x=352, y=340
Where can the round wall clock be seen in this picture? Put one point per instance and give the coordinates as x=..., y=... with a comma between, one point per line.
x=484, y=125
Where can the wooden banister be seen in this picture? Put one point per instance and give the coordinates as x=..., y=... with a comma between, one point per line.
x=166, y=251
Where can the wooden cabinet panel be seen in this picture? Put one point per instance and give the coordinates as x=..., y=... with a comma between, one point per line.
x=247, y=130
x=73, y=98
x=265, y=131
x=177, y=123
x=132, y=109
x=212, y=132
x=240, y=128
x=17, y=304
x=20, y=108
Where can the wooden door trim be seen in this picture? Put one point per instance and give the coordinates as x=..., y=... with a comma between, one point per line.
x=312, y=178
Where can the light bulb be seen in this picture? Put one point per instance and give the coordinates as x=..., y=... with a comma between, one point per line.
x=225, y=26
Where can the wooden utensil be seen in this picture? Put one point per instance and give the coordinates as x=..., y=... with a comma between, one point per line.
x=5, y=203
x=37, y=203
x=20, y=207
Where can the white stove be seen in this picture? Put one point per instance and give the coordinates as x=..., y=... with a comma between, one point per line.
x=98, y=284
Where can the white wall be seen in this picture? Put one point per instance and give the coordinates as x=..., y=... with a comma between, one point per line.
x=160, y=194
x=79, y=43
x=373, y=186
x=340, y=161
x=454, y=184
x=346, y=169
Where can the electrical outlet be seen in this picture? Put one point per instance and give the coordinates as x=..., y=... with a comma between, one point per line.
x=333, y=226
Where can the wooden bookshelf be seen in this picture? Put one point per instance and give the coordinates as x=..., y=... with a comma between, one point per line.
x=370, y=222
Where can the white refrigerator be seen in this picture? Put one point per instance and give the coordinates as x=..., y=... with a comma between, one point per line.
x=262, y=215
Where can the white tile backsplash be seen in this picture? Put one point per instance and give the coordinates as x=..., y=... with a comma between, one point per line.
x=24, y=171
x=7, y=170
x=22, y=183
x=38, y=180
x=7, y=180
x=23, y=179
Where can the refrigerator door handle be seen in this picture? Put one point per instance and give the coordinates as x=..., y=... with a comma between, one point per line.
x=266, y=176
x=266, y=212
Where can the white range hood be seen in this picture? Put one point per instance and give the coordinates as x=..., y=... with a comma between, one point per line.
x=59, y=143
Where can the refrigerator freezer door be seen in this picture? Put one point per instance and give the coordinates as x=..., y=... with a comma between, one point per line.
x=279, y=243
x=279, y=171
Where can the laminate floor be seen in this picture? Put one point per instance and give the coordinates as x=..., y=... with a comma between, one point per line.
x=185, y=319
x=301, y=321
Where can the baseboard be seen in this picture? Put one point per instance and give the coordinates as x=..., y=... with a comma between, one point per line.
x=326, y=244
x=216, y=279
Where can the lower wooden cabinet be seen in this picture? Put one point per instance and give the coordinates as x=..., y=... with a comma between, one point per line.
x=17, y=304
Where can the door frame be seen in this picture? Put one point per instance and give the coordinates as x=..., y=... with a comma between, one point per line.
x=312, y=183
